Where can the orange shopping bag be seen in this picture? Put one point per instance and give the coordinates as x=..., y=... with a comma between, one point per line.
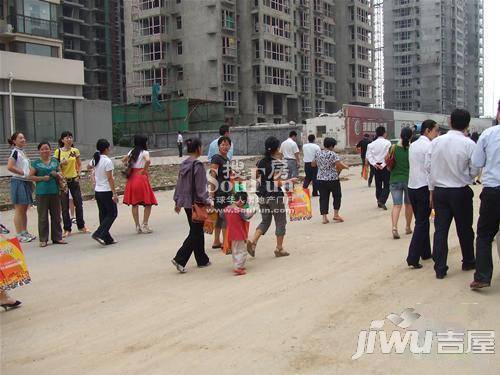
x=364, y=172
x=299, y=203
x=209, y=225
x=13, y=269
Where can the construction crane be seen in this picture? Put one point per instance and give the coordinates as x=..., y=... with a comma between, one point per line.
x=378, y=7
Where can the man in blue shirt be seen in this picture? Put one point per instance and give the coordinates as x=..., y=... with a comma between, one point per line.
x=214, y=147
x=487, y=156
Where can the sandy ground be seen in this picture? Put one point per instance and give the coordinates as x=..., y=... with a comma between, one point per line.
x=125, y=310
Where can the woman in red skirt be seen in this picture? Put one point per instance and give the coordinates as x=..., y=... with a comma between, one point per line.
x=138, y=190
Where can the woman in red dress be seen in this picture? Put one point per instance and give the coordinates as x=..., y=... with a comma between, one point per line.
x=138, y=191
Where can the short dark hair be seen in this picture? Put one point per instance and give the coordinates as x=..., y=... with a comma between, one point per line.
x=329, y=142
x=311, y=138
x=293, y=133
x=192, y=145
x=366, y=135
x=224, y=139
x=460, y=119
x=427, y=124
x=223, y=130
x=380, y=131
x=44, y=143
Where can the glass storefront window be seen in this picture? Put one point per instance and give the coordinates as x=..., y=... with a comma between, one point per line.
x=43, y=119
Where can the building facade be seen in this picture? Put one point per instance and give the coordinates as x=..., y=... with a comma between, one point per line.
x=41, y=92
x=93, y=32
x=267, y=60
x=433, y=55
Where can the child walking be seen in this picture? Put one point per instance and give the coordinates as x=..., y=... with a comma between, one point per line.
x=237, y=218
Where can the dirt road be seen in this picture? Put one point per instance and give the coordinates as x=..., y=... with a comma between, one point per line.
x=125, y=310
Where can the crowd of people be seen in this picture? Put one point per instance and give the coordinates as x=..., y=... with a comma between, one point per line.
x=428, y=173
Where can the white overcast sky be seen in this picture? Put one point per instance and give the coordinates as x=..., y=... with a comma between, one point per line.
x=491, y=56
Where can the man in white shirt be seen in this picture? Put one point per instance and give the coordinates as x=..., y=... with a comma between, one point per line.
x=291, y=153
x=180, y=141
x=375, y=154
x=487, y=156
x=451, y=173
x=309, y=150
x=418, y=191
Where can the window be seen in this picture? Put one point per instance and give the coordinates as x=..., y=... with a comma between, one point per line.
x=279, y=5
x=329, y=89
x=405, y=71
x=229, y=99
x=150, y=4
x=152, y=25
x=318, y=25
x=227, y=19
x=403, y=35
x=43, y=118
x=180, y=73
x=363, y=34
x=304, y=63
x=364, y=91
x=256, y=49
x=364, y=72
x=318, y=45
x=276, y=51
x=328, y=10
x=320, y=106
x=318, y=87
x=306, y=105
x=329, y=69
x=277, y=76
x=179, y=47
x=178, y=21
x=318, y=66
x=35, y=49
x=146, y=78
x=329, y=30
x=229, y=73
x=150, y=52
x=404, y=47
x=228, y=46
x=329, y=49
x=276, y=26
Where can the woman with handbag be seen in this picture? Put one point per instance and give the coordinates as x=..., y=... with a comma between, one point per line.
x=192, y=195
x=138, y=191
x=45, y=173
x=397, y=161
x=70, y=163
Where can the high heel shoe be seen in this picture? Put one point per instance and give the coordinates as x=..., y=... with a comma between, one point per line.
x=10, y=306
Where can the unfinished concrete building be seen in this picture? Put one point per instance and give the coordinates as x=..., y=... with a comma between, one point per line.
x=267, y=60
x=430, y=48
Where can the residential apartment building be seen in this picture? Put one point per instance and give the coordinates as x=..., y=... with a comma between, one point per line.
x=355, y=57
x=267, y=60
x=93, y=32
x=41, y=92
x=433, y=55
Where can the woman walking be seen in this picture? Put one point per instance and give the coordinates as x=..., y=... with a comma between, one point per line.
x=398, y=182
x=220, y=186
x=105, y=192
x=71, y=165
x=329, y=167
x=44, y=171
x=138, y=191
x=191, y=187
x=269, y=176
x=21, y=188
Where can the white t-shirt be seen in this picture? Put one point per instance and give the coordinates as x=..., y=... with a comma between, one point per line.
x=141, y=161
x=21, y=162
x=101, y=179
x=289, y=148
x=179, y=138
x=309, y=150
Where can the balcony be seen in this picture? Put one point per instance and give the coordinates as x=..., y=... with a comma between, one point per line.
x=34, y=26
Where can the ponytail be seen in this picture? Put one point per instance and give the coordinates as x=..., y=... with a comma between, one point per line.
x=406, y=135
x=12, y=139
x=102, y=145
x=272, y=145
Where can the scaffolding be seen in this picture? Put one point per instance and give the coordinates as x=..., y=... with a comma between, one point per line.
x=378, y=6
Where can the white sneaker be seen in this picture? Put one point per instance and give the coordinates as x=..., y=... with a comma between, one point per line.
x=180, y=268
x=23, y=238
x=145, y=229
x=138, y=229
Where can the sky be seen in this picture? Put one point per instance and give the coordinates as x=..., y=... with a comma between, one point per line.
x=491, y=56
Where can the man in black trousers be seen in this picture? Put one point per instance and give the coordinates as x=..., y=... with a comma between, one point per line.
x=451, y=173
x=487, y=156
x=375, y=154
x=418, y=190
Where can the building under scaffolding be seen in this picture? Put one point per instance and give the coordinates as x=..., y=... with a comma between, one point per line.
x=165, y=117
x=378, y=9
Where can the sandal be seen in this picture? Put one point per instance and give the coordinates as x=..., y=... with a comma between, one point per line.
x=251, y=246
x=43, y=244
x=84, y=230
x=60, y=242
x=338, y=219
x=66, y=233
x=409, y=231
x=325, y=221
x=395, y=234
x=280, y=253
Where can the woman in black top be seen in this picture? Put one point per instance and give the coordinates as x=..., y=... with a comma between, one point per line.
x=270, y=176
x=220, y=187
